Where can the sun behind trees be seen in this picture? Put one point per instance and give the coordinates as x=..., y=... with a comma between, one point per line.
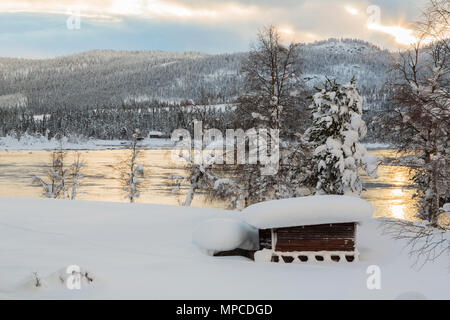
x=420, y=117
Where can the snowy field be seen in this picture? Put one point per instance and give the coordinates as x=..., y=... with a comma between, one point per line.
x=147, y=252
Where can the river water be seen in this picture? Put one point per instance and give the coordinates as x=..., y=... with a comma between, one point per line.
x=390, y=193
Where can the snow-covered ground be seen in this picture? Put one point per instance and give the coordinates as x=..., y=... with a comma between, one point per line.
x=27, y=142
x=147, y=252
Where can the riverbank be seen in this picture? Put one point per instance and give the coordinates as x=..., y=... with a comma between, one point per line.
x=146, y=252
x=27, y=142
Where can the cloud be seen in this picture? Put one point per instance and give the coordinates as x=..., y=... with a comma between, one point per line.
x=166, y=9
x=207, y=21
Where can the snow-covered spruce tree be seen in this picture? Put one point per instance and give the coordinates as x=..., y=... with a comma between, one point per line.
x=335, y=134
x=131, y=172
x=55, y=184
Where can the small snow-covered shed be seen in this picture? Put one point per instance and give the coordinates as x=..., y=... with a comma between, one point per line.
x=308, y=229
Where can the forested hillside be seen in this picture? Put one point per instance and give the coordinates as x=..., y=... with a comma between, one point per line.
x=110, y=78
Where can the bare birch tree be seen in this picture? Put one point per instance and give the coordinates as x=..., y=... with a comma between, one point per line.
x=131, y=172
x=421, y=118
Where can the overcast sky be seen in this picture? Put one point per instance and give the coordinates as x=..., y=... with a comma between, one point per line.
x=46, y=28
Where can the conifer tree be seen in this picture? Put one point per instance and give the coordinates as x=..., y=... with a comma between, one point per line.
x=335, y=134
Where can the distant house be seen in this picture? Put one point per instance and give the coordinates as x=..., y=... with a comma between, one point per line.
x=308, y=229
x=156, y=135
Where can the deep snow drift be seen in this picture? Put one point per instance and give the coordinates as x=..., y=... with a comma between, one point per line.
x=215, y=235
x=147, y=251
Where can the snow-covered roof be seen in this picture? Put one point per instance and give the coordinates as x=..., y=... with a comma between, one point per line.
x=308, y=211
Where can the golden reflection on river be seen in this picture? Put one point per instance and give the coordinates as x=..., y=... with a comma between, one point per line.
x=390, y=193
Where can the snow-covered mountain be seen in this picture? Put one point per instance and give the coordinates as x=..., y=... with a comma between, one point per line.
x=98, y=78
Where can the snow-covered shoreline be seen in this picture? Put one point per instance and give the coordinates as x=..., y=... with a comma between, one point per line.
x=27, y=142
x=146, y=251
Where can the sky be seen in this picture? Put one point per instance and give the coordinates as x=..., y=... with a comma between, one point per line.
x=48, y=28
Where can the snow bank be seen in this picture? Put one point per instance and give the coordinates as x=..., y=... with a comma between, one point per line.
x=145, y=251
x=308, y=211
x=218, y=235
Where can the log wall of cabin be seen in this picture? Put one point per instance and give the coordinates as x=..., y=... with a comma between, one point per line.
x=325, y=237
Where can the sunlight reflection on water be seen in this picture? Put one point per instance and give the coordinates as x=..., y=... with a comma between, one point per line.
x=390, y=194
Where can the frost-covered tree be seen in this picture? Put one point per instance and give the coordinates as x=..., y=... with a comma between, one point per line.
x=200, y=178
x=273, y=86
x=335, y=134
x=55, y=184
x=272, y=102
x=62, y=181
x=131, y=172
x=227, y=189
x=205, y=178
x=76, y=175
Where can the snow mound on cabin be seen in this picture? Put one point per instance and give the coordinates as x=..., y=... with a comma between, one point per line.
x=308, y=211
x=216, y=235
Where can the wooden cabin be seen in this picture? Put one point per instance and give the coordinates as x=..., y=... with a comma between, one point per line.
x=314, y=229
x=313, y=243
x=310, y=229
